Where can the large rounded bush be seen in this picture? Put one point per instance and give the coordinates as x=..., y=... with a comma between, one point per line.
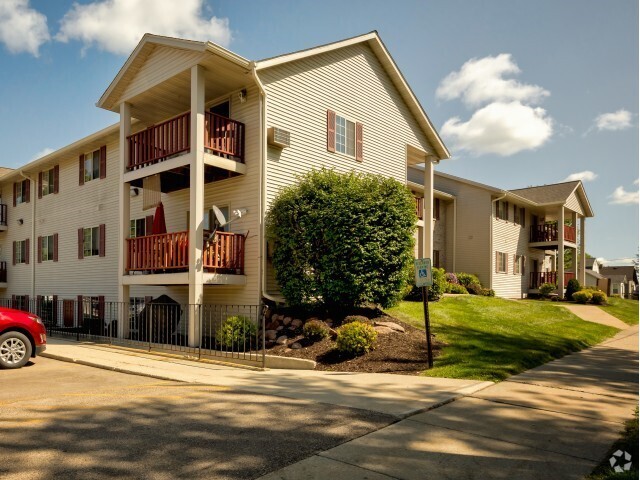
x=342, y=239
x=573, y=286
x=315, y=330
x=598, y=297
x=237, y=333
x=583, y=296
x=547, y=289
x=355, y=338
x=466, y=279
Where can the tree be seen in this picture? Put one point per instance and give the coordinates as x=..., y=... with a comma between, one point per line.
x=342, y=240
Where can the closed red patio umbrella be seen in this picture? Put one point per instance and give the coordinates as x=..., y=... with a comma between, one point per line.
x=159, y=223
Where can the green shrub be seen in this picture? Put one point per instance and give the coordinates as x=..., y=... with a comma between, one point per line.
x=342, y=239
x=439, y=285
x=488, y=292
x=474, y=289
x=573, y=286
x=583, y=296
x=237, y=333
x=355, y=338
x=598, y=297
x=455, y=288
x=466, y=279
x=356, y=318
x=315, y=330
x=546, y=289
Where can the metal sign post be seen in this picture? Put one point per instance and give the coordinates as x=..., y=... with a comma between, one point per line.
x=424, y=279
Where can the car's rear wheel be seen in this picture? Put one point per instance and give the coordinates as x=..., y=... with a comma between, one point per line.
x=15, y=350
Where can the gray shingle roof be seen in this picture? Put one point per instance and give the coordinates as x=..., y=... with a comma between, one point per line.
x=627, y=270
x=556, y=193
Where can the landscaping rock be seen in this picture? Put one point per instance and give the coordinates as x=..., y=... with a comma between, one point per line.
x=282, y=340
x=296, y=322
x=295, y=346
x=333, y=333
x=391, y=325
x=272, y=325
x=286, y=320
x=270, y=334
x=383, y=330
x=280, y=327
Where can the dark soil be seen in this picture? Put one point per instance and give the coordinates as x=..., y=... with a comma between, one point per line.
x=400, y=353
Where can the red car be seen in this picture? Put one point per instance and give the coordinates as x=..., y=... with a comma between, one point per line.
x=22, y=336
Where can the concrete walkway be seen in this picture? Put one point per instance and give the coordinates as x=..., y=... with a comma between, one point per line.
x=398, y=395
x=556, y=421
x=591, y=313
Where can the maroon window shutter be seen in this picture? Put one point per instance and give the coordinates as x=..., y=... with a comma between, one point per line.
x=359, y=142
x=506, y=211
x=26, y=254
x=27, y=189
x=148, y=228
x=103, y=161
x=81, y=169
x=14, y=253
x=79, y=310
x=39, y=250
x=331, y=130
x=15, y=194
x=102, y=240
x=497, y=262
x=55, y=247
x=54, y=308
x=56, y=179
x=39, y=184
x=80, y=243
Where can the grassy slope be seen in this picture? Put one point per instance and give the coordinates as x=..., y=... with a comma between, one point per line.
x=627, y=443
x=625, y=310
x=492, y=338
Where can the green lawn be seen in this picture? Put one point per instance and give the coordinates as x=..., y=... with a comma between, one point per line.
x=492, y=338
x=625, y=310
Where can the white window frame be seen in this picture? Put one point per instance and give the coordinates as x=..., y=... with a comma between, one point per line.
x=94, y=238
x=20, y=192
x=93, y=161
x=343, y=147
x=48, y=178
x=21, y=251
x=503, y=211
x=46, y=247
x=501, y=257
x=518, y=265
x=134, y=227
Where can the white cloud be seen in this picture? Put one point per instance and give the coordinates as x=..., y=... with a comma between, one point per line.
x=500, y=128
x=22, y=29
x=614, y=121
x=43, y=153
x=586, y=176
x=635, y=182
x=118, y=25
x=482, y=81
x=621, y=197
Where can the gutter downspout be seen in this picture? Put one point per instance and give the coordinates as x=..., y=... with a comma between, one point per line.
x=263, y=184
x=34, y=247
x=455, y=232
x=491, y=269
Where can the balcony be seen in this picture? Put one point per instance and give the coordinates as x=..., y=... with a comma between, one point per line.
x=419, y=207
x=169, y=252
x=548, y=232
x=538, y=278
x=222, y=136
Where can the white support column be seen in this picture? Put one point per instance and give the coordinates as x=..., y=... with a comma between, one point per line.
x=574, y=253
x=560, y=261
x=196, y=204
x=583, y=255
x=427, y=241
x=124, y=220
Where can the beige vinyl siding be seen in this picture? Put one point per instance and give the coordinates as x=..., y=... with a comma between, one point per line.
x=18, y=276
x=512, y=239
x=351, y=82
x=473, y=224
x=573, y=203
x=449, y=238
x=440, y=235
x=161, y=64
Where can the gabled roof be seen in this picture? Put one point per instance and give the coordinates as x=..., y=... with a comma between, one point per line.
x=593, y=274
x=628, y=270
x=387, y=62
x=556, y=193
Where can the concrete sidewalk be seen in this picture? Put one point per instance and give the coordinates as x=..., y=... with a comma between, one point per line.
x=591, y=313
x=556, y=421
x=398, y=395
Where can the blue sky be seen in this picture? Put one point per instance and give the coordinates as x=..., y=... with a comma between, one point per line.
x=523, y=92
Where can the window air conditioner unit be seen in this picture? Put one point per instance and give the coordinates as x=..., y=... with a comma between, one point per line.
x=278, y=137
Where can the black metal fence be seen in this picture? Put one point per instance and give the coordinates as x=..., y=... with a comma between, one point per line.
x=232, y=333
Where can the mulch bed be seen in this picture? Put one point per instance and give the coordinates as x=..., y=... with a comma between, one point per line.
x=399, y=353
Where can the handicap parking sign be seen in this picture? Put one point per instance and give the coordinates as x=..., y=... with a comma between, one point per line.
x=423, y=274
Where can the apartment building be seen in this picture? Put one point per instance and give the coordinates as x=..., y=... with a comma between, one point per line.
x=512, y=240
x=201, y=127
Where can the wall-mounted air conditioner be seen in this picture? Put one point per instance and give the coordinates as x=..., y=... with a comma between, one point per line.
x=278, y=137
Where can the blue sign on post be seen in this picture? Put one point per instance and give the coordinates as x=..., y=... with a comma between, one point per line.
x=423, y=273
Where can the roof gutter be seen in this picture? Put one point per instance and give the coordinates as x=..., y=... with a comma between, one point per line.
x=33, y=235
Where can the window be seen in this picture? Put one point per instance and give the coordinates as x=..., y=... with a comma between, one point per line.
x=47, y=248
x=138, y=228
x=502, y=210
x=21, y=192
x=501, y=262
x=47, y=182
x=208, y=220
x=518, y=264
x=21, y=251
x=518, y=216
x=92, y=166
x=91, y=244
x=344, y=136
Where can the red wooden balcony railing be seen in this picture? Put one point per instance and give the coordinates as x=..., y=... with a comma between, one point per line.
x=170, y=251
x=419, y=207
x=224, y=136
x=160, y=141
x=3, y=214
x=548, y=232
x=538, y=278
